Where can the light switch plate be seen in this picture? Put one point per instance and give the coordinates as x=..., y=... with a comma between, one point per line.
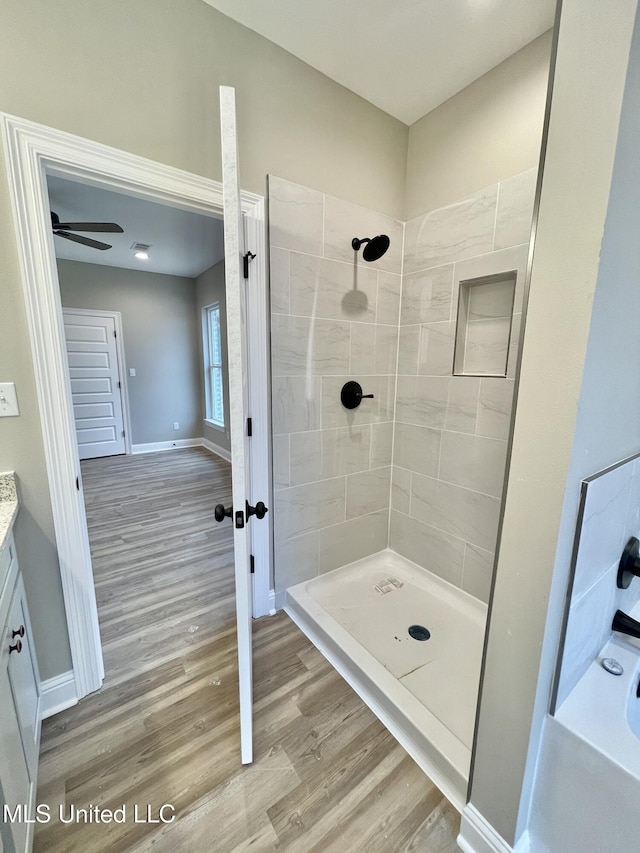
x=8, y=400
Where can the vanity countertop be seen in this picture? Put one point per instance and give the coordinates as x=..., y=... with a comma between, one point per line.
x=8, y=505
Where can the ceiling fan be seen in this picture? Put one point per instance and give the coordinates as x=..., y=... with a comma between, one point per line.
x=65, y=229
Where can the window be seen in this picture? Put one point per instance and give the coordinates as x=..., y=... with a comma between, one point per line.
x=212, y=347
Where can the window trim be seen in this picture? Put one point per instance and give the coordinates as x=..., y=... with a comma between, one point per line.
x=209, y=365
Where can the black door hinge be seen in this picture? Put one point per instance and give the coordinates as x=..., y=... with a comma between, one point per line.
x=252, y=563
x=249, y=427
x=248, y=256
x=78, y=483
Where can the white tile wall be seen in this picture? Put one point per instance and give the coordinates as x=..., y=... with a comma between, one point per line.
x=610, y=515
x=451, y=431
x=429, y=445
x=334, y=318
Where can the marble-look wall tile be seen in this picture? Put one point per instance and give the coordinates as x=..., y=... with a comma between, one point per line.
x=426, y=296
x=281, y=461
x=428, y=547
x=477, y=572
x=295, y=217
x=381, y=444
x=388, y=304
x=333, y=290
x=329, y=453
x=408, y=349
x=474, y=462
x=401, y=490
x=302, y=509
x=417, y=448
x=279, y=280
x=375, y=410
x=296, y=560
x=422, y=400
x=604, y=526
x=373, y=349
x=610, y=515
x=515, y=209
x=308, y=346
x=344, y=221
x=491, y=299
x=494, y=407
x=295, y=403
x=461, y=230
x=462, y=404
x=469, y=515
x=487, y=346
x=589, y=623
x=435, y=355
x=353, y=540
x=368, y=492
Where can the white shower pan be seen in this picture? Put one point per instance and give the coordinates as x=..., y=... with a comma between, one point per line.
x=424, y=691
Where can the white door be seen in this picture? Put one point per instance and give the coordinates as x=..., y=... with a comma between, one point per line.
x=95, y=383
x=243, y=515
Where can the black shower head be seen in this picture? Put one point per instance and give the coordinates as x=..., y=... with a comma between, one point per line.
x=375, y=248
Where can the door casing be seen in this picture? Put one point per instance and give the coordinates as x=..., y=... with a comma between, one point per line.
x=34, y=151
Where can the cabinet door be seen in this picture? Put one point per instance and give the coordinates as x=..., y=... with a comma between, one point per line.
x=16, y=784
x=23, y=676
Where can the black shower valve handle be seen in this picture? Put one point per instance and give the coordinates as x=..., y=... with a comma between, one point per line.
x=351, y=395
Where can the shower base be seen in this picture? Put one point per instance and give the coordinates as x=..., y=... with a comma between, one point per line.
x=423, y=690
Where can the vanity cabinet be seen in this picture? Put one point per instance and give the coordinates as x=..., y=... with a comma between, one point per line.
x=19, y=705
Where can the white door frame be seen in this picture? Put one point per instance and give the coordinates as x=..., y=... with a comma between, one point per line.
x=33, y=151
x=122, y=370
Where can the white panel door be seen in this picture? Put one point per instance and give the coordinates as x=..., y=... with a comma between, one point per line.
x=239, y=409
x=95, y=383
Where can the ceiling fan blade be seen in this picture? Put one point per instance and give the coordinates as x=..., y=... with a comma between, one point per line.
x=86, y=241
x=105, y=227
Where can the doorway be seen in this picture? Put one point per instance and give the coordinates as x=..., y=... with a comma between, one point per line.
x=34, y=152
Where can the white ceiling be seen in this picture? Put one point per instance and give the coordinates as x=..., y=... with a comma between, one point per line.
x=182, y=243
x=404, y=56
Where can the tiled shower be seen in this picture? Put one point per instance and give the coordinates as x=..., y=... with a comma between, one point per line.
x=419, y=468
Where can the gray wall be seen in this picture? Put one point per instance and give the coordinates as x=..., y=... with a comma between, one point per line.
x=580, y=421
x=144, y=77
x=484, y=134
x=210, y=287
x=161, y=334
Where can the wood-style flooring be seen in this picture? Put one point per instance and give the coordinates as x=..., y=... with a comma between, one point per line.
x=163, y=729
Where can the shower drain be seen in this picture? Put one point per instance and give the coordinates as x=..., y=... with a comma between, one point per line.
x=419, y=632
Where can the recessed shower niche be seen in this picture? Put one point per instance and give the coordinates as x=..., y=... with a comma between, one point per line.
x=483, y=328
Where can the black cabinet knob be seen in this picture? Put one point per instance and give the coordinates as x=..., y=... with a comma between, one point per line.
x=18, y=633
x=16, y=648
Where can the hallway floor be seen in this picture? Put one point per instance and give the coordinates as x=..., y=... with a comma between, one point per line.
x=327, y=776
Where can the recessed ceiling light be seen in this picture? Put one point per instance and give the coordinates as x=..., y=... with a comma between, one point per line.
x=141, y=251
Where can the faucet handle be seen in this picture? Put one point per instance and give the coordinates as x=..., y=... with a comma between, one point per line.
x=625, y=624
x=629, y=565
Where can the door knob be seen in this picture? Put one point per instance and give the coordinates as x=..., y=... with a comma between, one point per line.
x=16, y=648
x=259, y=510
x=18, y=633
x=221, y=512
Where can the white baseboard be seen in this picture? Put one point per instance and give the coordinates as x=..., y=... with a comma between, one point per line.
x=57, y=694
x=478, y=836
x=215, y=448
x=272, y=602
x=157, y=446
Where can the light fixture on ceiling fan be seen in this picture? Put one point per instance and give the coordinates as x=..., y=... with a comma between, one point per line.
x=65, y=229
